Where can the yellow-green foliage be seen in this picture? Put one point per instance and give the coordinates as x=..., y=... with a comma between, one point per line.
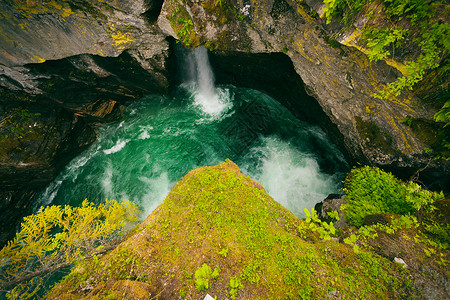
x=418, y=24
x=58, y=236
x=372, y=191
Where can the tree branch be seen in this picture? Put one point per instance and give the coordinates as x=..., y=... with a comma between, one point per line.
x=9, y=284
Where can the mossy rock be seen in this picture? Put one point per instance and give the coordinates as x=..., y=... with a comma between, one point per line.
x=434, y=134
x=374, y=136
x=218, y=217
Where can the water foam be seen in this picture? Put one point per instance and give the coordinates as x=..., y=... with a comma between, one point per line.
x=293, y=178
x=117, y=147
x=107, y=183
x=156, y=189
x=163, y=137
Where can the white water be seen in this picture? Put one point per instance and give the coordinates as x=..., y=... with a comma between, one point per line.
x=207, y=97
x=164, y=137
x=292, y=177
x=116, y=148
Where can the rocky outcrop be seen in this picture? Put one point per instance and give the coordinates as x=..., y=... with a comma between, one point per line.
x=40, y=30
x=402, y=247
x=219, y=233
x=341, y=78
x=85, y=60
x=42, y=143
x=331, y=204
x=64, y=67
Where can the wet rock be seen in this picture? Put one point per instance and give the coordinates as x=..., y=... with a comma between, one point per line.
x=333, y=203
x=76, y=64
x=37, y=31
x=340, y=77
x=70, y=95
x=35, y=145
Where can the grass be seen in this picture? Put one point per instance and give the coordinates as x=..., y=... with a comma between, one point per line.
x=217, y=219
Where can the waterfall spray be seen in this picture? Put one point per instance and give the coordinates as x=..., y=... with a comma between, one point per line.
x=207, y=97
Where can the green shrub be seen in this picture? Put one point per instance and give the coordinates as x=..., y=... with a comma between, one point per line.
x=434, y=40
x=372, y=191
x=203, y=275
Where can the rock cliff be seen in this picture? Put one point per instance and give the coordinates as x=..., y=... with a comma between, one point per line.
x=338, y=75
x=219, y=233
x=66, y=66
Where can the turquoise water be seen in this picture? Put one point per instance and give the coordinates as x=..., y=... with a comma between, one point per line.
x=164, y=137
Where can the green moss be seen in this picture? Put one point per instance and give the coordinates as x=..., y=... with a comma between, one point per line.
x=434, y=134
x=374, y=135
x=217, y=208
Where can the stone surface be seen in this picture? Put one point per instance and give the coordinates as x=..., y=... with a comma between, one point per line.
x=76, y=63
x=37, y=31
x=341, y=79
x=410, y=246
x=100, y=55
x=400, y=261
x=33, y=155
x=72, y=95
x=333, y=203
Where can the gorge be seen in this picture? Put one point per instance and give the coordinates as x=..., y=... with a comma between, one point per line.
x=72, y=75
x=95, y=103
x=163, y=137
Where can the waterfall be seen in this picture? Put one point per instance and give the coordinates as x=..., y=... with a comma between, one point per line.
x=164, y=136
x=204, y=74
x=207, y=97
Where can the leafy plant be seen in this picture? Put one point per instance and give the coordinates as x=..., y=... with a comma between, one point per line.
x=223, y=252
x=203, y=275
x=57, y=237
x=379, y=39
x=434, y=41
x=372, y=191
x=324, y=229
x=182, y=24
x=235, y=285
x=444, y=114
x=351, y=240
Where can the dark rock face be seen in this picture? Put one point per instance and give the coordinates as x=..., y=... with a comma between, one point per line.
x=274, y=74
x=49, y=113
x=78, y=63
x=97, y=87
x=401, y=247
x=338, y=75
x=332, y=203
x=34, y=155
x=36, y=31
x=66, y=66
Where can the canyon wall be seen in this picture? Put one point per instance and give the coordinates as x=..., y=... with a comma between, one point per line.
x=67, y=66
